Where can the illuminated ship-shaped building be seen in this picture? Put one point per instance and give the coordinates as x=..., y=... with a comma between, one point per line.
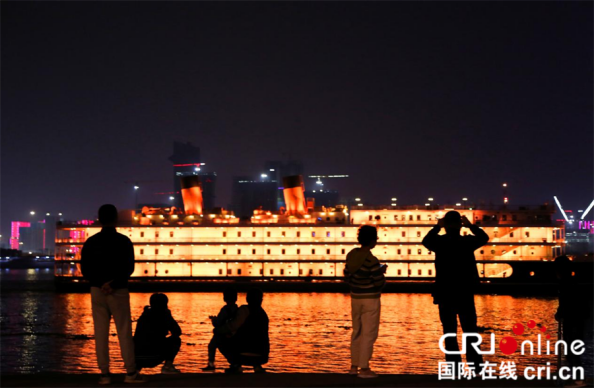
x=307, y=243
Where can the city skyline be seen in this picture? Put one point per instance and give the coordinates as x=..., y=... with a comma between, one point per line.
x=409, y=100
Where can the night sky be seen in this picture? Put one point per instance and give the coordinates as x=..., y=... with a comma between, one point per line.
x=441, y=99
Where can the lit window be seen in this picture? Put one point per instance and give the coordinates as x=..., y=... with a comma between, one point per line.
x=229, y=272
x=327, y=234
x=527, y=234
x=156, y=234
x=238, y=234
x=267, y=234
x=284, y=234
x=342, y=234
x=403, y=234
x=313, y=234
x=156, y=251
x=298, y=234
x=170, y=234
x=253, y=234
x=418, y=251
x=418, y=234
x=171, y=251
x=300, y=272
x=224, y=234
x=298, y=251
x=141, y=234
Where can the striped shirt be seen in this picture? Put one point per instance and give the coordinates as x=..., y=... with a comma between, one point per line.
x=364, y=274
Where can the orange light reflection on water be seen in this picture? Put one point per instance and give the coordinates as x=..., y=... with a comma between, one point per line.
x=311, y=332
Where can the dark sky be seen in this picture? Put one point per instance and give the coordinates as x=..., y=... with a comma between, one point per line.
x=412, y=99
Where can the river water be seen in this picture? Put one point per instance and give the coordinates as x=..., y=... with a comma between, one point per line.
x=45, y=331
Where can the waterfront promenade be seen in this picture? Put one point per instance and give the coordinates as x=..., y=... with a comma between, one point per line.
x=262, y=380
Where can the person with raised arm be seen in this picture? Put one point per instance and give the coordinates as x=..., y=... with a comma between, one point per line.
x=456, y=279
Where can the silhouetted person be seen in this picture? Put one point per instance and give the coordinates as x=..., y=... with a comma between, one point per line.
x=574, y=307
x=157, y=336
x=366, y=279
x=456, y=278
x=107, y=261
x=227, y=313
x=248, y=342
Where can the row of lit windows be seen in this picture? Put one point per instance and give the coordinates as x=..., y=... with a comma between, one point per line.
x=268, y=234
x=342, y=251
x=320, y=272
x=417, y=217
x=328, y=234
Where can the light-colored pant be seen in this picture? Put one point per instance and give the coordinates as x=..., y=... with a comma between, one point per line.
x=366, y=319
x=118, y=306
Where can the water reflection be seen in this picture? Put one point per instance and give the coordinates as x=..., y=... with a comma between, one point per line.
x=46, y=331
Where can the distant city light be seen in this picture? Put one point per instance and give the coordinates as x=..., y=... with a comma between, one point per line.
x=458, y=204
x=393, y=199
x=430, y=199
x=136, y=187
x=427, y=204
x=32, y=213
x=197, y=169
x=359, y=204
x=47, y=214
x=272, y=169
x=264, y=176
x=505, y=185
x=464, y=199
x=393, y=204
x=172, y=198
x=357, y=199
x=59, y=214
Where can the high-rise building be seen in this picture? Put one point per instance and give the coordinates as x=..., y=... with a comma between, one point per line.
x=249, y=194
x=186, y=161
x=35, y=236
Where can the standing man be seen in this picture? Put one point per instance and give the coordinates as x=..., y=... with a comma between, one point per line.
x=366, y=279
x=107, y=261
x=456, y=278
